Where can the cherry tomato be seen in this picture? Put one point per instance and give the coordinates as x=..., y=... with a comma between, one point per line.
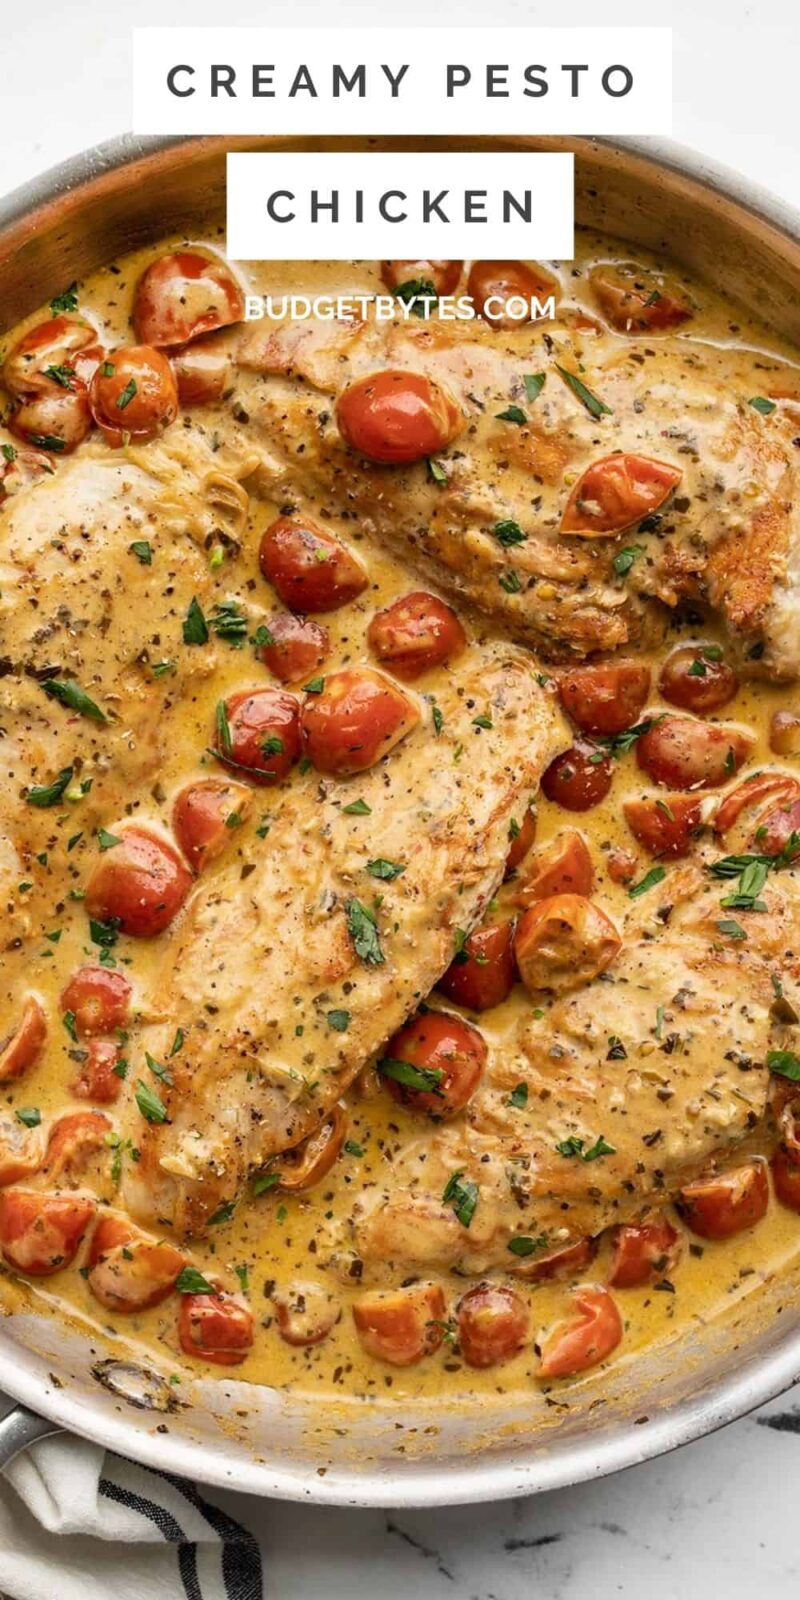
x=21, y=1150
x=585, y=1340
x=562, y=866
x=305, y=1313
x=634, y=302
x=182, y=295
x=442, y=275
x=683, y=754
x=621, y=866
x=41, y=1233
x=563, y=942
x=359, y=717
x=779, y=832
x=98, y=1079
x=492, y=282
x=140, y=884
x=205, y=817
x=138, y=398
x=73, y=1140
x=128, y=1269
x=561, y=1263
x=718, y=1207
x=414, y=634
x=99, y=999
x=482, y=974
x=784, y=733
x=309, y=568
x=780, y=786
x=61, y=353
x=786, y=1179
x=492, y=1324
x=606, y=698
x=616, y=491
x=643, y=1251
x=25, y=468
x=21, y=1048
x=56, y=421
x=308, y=1163
x=579, y=778
x=261, y=732
x=522, y=834
x=433, y=1065
x=665, y=827
x=696, y=678
x=215, y=1327
x=397, y=417
x=297, y=646
x=203, y=372
x=401, y=1325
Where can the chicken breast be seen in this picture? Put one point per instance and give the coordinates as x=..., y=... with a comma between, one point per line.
x=283, y=982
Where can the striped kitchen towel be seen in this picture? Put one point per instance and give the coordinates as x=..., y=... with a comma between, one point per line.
x=78, y=1523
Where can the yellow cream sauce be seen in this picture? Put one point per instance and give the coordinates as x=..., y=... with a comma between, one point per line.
x=284, y=1238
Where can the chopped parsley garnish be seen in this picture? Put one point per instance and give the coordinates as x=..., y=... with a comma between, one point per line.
x=264, y=1181
x=759, y=403
x=60, y=374
x=314, y=686
x=223, y=727
x=339, y=1021
x=162, y=1073
x=624, y=559
x=416, y=289
x=273, y=745
x=49, y=441
x=512, y=414
x=436, y=470
x=31, y=1116
x=74, y=697
x=387, y=871
x=8, y=452
x=66, y=301
x=482, y=721
x=127, y=395
x=593, y=404
x=649, y=881
x=151, y=1107
x=424, y=1079
x=751, y=882
x=107, y=840
x=534, y=383
x=223, y=1213
x=462, y=1194
x=143, y=551
x=229, y=622
x=519, y=1096
x=508, y=533
x=618, y=744
x=68, y=1020
x=190, y=1281
x=49, y=794
x=352, y=1148
x=357, y=808
x=575, y=1147
x=104, y=933
x=785, y=1063
x=438, y=719
x=524, y=1245
x=731, y=929
x=177, y=1043
x=262, y=636
x=160, y=669
x=195, y=627
x=510, y=582
x=363, y=932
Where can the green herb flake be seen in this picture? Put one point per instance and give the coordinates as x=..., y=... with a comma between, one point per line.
x=363, y=932
x=508, y=533
x=31, y=1116
x=625, y=558
x=357, y=808
x=595, y=406
x=68, y=1020
x=519, y=1096
x=731, y=929
x=151, y=1107
x=264, y=1181
x=425, y=1080
x=436, y=471
x=414, y=293
x=314, y=686
x=223, y=1213
x=759, y=403
x=510, y=582
x=513, y=414
x=195, y=627
x=438, y=719
x=386, y=870
x=61, y=374
x=534, y=383
x=223, y=727
x=66, y=301
x=574, y=1147
x=649, y=881
x=462, y=1194
x=352, y=1148
x=523, y=1245
x=143, y=551
x=785, y=1063
x=124, y=400
x=190, y=1281
x=107, y=840
x=49, y=794
x=74, y=697
x=339, y=1020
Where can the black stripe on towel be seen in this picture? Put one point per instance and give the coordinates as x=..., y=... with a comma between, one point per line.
x=168, y=1527
x=241, y=1557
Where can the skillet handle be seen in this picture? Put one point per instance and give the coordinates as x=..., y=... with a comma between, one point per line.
x=19, y=1428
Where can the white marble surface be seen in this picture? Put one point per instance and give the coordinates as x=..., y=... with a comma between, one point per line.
x=719, y=1516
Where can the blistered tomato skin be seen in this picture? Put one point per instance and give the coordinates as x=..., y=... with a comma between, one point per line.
x=74, y=1140
x=205, y=817
x=684, y=754
x=643, y=1251
x=357, y=719
x=98, y=1079
x=396, y=418
x=21, y=1150
x=129, y=1270
x=616, y=492
x=578, y=779
x=296, y=648
x=216, y=1327
x=562, y=866
x=442, y=1051
x=584, y=1342
x=563, y=942
x=718, y=1207
x=61, y=353
x=493, y=283
x=311, y=1161
x=203, y=372
x=182, y=295
x=482, y=974
x=55, y=422
x=778, y=831
x=606, y=698
x=99, y=998
x=786, y=1179
x=666, y=827
x=442, y=275
x=139, y=884
x=782, y=788
x=41, y=1233
x=492, y=1322
x=309, y=568
x=414, y=634
x=562, y=1263
x=260, y=733
x=133, y=394
x=634, y=303
x=20, y=1049
x=400, y=1326
x=697, y=678
x=25, y=468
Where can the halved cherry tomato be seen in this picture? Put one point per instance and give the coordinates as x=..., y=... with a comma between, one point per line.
x=24, y=468
x=309, y=568
x=562, y=866
x=98, y=1078
x=203, y=372
x=129, y=1270
x=442, y=1051
x=491, y=284
x=397, y=417
x=41, y=1233
x=718, y=1207
x=779, y=832
x=605, y=698
x=579, y=778
x=414, y=634
x=522, y=834
x=297, y=646
x=140, y=884
x=21, y=1048
x=643, y=1251
x=21, y=1150
x=401, y=1325
x=784, y=733
x=215, y=1327
x=205, y=816
x=133, y=394
x=61, y=353
x=56, y=421
x=308, y=1163
x=182, y=295
x=665, y=827
x=73, y=1140
x=561, y=1263
x=305, y=1313
x=359, y=717
x=99, y=999
x=779, y=786
x=563, y=942
x=634, y=302
x=696, y=678
x=786, y=1179
x=684, y=754
x=492, y=1324
x=621, y=866
x=482, y=974
x=616, y=491
x=260, y=731
x=586, y=1340
x=442, y=275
